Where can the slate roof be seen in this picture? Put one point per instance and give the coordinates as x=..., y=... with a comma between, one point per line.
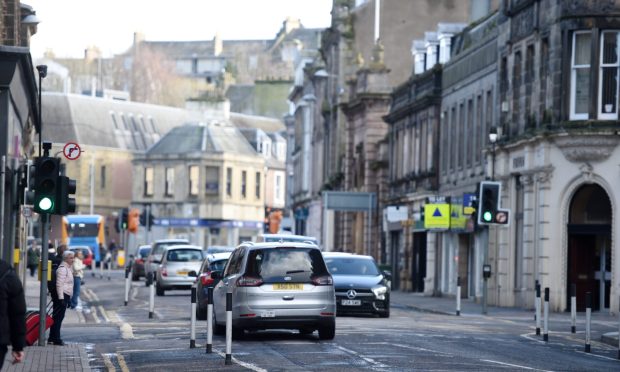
x=108, y=123
x=204, y=138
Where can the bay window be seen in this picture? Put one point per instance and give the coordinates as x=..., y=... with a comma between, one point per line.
x=608, y=76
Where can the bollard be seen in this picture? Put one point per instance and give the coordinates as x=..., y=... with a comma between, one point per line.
x=127, y=285
x=573, y=308
x=228, y=360
x=101, y=269
x=209, y=320
x=546, y=316
x=537, y=313
x=458, y=295
x=192, y=336
x=536, y=296
x=588, y=319
x=150, y=281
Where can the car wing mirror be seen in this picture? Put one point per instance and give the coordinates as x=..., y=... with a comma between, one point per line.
x=216, y=275
x=387, y=274
x=192, y=274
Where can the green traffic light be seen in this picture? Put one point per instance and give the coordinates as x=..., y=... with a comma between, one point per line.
x=487, y=216
x=46, y=204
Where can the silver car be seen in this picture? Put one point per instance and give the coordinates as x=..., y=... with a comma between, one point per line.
x=177, y=262
x=154, y=258
x=277, y=285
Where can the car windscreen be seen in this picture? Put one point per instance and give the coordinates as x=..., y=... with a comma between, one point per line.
x=351, y=266
x=159, y=247
x=276, y=264
x=184, y=255
x=144, y=252
x=218, y=265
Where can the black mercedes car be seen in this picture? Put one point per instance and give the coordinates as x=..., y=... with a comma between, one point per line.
x=361, y=288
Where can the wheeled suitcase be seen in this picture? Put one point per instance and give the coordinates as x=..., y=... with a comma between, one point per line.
x=32, y=324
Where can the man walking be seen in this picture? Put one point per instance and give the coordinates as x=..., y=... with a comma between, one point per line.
x=12, y=314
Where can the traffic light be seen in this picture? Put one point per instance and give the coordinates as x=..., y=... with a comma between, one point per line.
x=488, y=202
x=133, y=220
x=150, y=221
x=122, y=219
x=46, y=184
x=142, y=219
x=66, y=188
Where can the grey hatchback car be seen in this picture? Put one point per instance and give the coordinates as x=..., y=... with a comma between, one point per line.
x=177, y=262
x=274, y=286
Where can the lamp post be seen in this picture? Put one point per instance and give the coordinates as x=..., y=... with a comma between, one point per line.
x=493, y=140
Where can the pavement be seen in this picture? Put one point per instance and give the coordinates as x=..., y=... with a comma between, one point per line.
x=71, y=357
x=74, y=357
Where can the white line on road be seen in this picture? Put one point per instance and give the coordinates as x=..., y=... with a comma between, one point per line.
x=126, y=331
x=103, y=313
x=513, y=365
x=243, y=364
x=368, y=360
x=121, y=362
x=108, y=363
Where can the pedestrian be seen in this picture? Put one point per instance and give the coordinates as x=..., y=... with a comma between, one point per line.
x=33, y=253
x=64, y=290
x=103, y=253
x=112, y=253
x=55, y=260
x=12, y=314
x=78, y=274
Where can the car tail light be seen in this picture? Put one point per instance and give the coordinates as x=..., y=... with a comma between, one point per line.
x=206, y=279
x=323, y=280
x=139, y=261
x=248, y=281
x=164, y=271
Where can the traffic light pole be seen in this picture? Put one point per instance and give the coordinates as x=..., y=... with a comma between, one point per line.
x=44, y=218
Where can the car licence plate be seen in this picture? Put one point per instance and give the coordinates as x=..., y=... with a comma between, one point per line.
x=268, y=314
x=351, y=302
x=288, y=287
x=183, y=273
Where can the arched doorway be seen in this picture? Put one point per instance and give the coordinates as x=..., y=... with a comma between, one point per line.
x=589, y=246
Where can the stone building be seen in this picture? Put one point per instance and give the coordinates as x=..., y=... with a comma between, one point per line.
x=19, y=117
x=203, y=182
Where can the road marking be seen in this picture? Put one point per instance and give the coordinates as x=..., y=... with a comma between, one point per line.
x=243, y=364
x=598, y=356
x=108, y=363
x=368, y=360
x=103, y=313
x=513, y=365
x=419, y=349
x=94, y=313
x=126, y=331
x=121, y=362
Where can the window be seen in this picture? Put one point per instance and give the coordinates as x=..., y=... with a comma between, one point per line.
x=193, y=180
x=102, y=184
x=148, y=181
x=544, y=71
x=453, y=154
x=461, y=136
x=488, y=116
x=169, y=189
x=229, y=182
x=478, y=131
x=279, y=195
x=444, y=141
x=257, y=191
x=471, y=129
x=516, y=95
x=212, y=180
x=244, y=180
x=608, y=76
x=580, y=76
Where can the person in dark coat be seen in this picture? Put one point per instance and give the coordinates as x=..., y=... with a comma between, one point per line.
x=12, y=314
x=33, y=254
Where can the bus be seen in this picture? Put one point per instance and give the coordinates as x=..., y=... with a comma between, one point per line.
x=84, y=229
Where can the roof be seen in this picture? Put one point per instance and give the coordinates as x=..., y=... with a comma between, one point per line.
x=204, y=138
x=258, y=122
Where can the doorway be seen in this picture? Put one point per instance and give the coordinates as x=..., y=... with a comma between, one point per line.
x=463, y=263
x=589, y=247
x=418, y=262
x=395, y=258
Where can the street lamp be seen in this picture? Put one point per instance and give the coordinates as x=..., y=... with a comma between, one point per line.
x=493, y=139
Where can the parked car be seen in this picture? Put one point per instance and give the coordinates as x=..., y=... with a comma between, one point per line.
x=137, y=266
x=287, y=238
x=154, y=258
x=219, y=249
x=88, y=254
x=360, y=286
x=176, y=264
x=213, y=262
x=276, y=285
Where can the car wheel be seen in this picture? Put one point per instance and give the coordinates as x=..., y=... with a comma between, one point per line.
x=201, y=313
x=218, y=329
x=159, y=290
x=327, y=332
x=386, y=312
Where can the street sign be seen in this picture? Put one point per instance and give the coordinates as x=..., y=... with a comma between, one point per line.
x=502, y=217
x=71, y=151
x=458, y=221
x=437, y=216
x=468, y=203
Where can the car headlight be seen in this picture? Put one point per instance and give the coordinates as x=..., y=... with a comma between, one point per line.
x=379, y=292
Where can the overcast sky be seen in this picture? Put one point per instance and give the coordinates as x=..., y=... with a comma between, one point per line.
x=69, y=26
